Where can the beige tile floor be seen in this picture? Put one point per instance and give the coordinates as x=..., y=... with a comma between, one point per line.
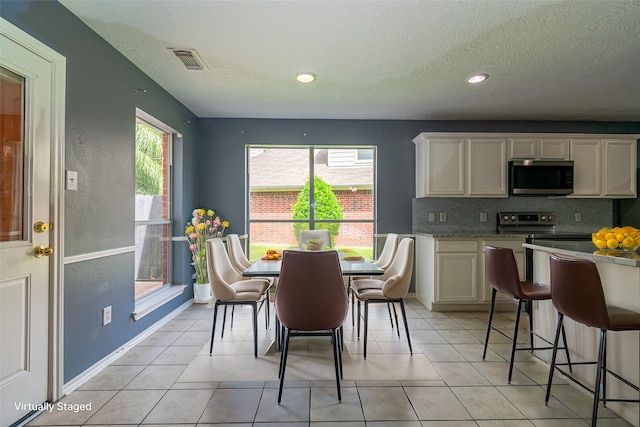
x=170, y=379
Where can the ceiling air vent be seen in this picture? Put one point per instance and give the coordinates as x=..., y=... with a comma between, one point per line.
x=190, y=58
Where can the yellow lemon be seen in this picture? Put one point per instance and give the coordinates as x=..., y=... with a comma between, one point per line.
x=628, y=242
x=612, y=243
x=610, y=236
x=620, y=237
x=600, y=244
x=638, y=240
x=594, y=237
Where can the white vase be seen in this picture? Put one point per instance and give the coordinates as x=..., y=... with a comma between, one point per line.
x=202, y=293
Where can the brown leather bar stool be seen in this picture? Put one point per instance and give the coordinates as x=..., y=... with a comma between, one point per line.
x=576, y=292
x=502, y=272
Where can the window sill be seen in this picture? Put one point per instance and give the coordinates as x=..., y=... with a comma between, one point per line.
x=146, y=305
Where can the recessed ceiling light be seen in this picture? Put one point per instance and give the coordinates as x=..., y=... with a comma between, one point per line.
x=306, y=77
x=478, y=78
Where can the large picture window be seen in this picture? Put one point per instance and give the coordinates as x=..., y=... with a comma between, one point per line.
x=152, y=205
x=296, y=188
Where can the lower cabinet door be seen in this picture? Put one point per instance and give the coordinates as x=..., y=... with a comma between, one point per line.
x=456, y=277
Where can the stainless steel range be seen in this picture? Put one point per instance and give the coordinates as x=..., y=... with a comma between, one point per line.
x=536, y=227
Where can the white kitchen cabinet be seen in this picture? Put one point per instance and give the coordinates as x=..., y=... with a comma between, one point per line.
x=475, y=164
x=554, y=149
x=450, y=273
x=604, y=168
x=523, y=148
x=460, y=166
x=587, y=167
x=620, y=168
x=539, y=148
x=440, y=169
x=456, y=271
x=486, y=167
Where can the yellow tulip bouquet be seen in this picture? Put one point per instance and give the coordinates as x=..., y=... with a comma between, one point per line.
x=623, y=238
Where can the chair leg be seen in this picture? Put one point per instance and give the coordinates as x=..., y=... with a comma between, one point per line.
x=486, y=340
x=566, y=348
x=515, y=341
x=283, y=361
x=390, y=316
x=530, y=312
x=255, y=328
x=336, y=350
x=341, y=348
x=406, y=324
x=366, y=325
x=554, y=353
x=278, y=334
x=596, y=388
x=267, y=316
x=604, y=373
x=350, y=294
x=233, y=312
x=358, y=333
x=213, y=327
x=395, y=314
x=224, y=322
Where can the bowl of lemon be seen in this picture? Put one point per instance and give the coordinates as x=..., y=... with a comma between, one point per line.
x=625, y=238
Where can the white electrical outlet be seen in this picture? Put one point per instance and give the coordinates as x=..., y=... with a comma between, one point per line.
x=578, y=217
x=432, y=217
x=483, y=217
x=106, y=315
x=443, y=216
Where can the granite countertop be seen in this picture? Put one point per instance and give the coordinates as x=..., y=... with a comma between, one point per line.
x=479, y=235
x=588, y=251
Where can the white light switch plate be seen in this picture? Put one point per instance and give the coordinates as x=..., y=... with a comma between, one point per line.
x=72, y=180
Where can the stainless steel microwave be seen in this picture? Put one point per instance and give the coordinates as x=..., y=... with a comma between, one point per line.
x=540, y=177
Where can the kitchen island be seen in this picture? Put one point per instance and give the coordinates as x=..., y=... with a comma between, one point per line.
x=620, y=276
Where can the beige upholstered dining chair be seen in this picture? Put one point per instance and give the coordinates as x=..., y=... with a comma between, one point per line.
x=236, y=253
x=321, y=235
x=383, y=261
x=311, y=300
x=240, y=262
x=230, y=288
x=392, y=287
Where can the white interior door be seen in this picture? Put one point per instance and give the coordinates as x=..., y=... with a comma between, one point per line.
x=25, y=200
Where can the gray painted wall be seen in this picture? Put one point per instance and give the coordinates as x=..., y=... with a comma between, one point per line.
x=208, y=171
x=222, y=165
x=99, y=145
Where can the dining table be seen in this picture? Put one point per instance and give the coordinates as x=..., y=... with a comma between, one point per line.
x=351, y=263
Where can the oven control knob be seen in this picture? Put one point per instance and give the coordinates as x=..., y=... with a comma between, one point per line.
x=505, y=217
x=550, y=218
x=543, y=217
x=513, y=217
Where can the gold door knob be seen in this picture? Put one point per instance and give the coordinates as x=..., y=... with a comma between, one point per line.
x=40, y=227
x=41, y=251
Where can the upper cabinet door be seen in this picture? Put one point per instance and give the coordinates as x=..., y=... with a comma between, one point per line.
x=587, y=167
x=445, y=167
x=487, y=171
x=523, y=148
x=554, y=149
x=620, y=168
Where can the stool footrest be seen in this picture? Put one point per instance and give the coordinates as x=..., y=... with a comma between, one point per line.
x=591, y=390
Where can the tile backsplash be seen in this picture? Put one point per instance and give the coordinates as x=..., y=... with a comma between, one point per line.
x=463, y=214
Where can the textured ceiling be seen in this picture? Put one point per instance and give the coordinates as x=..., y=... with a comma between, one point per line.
x=547, y=60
